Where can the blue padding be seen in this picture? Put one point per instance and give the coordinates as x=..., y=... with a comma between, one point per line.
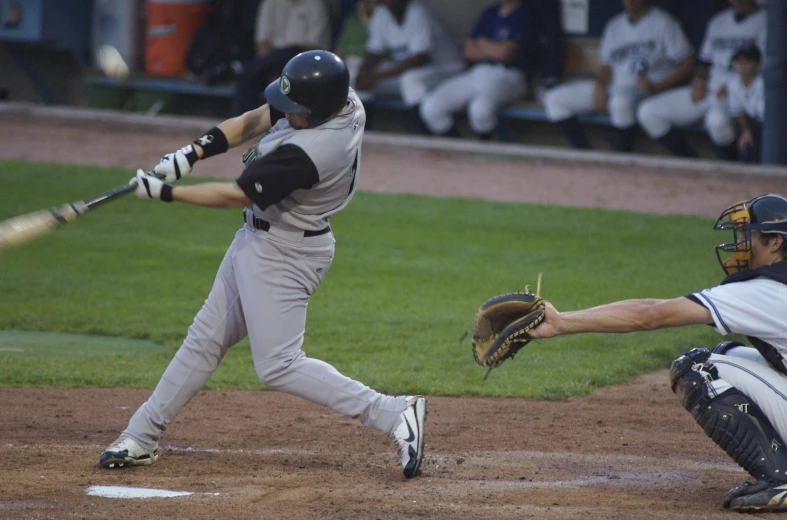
x=164, y=85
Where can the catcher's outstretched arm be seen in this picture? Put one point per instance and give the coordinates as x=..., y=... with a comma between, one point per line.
x=623, y=316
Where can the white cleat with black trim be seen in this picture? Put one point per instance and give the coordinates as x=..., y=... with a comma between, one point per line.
x=125, y=452
x=409, y=435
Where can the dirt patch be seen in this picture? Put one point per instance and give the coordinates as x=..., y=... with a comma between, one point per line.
x=625, y=452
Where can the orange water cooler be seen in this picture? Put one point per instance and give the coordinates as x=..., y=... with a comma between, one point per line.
x=170, y=29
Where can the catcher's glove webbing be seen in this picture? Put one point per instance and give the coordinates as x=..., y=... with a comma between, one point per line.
x=502, y=324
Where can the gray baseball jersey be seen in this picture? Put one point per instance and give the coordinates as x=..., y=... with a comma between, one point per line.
x=297, y=179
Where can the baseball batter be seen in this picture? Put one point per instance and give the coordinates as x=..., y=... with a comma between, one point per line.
x=499, y=46
x=705, y=99
x=643, y=51
x=736, y=393
x=302, y=169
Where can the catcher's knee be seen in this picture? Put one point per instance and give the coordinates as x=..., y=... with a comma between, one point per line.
x=725, y=346
x=685, y=381
x=730, y=419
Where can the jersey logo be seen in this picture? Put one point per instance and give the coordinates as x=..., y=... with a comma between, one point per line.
x=258, y=187
x=284, y=85
x=355, y=125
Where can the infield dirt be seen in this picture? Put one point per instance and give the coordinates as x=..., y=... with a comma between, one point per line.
x=624, y=452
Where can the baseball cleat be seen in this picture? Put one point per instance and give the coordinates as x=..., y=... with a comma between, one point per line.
x=409, y=435
x=125, y=452
x=762, y=496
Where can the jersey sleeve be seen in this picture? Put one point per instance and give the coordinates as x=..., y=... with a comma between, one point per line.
x=607, y=43
x=734, y=309
x=319, y=30
x=420, y=41
x=273, y=177
x=480, y=26
x=376, y=42
x=706, y=51
x=677, y=46
x=265, y=22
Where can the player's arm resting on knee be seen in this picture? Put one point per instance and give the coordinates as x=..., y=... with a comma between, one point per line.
x=699, y=82
x=600, y=88
x=502, y=51
x=623, y=316
x=680, y=76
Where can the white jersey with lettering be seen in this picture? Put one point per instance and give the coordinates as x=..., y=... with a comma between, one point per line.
x=652, y=46
x=723, y=36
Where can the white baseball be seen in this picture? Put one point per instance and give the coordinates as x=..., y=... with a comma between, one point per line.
x=111, y=62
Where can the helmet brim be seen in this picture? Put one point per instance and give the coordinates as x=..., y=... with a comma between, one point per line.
x=278, y=100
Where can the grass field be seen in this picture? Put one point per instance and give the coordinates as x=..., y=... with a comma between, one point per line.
x=408, y=275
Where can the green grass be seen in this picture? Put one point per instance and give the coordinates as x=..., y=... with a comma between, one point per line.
x=408, y=276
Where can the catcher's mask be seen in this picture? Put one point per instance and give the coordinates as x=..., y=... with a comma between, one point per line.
x=315, y=83
x=765, y=213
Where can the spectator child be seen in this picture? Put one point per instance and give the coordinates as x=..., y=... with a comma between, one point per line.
x=746, y=96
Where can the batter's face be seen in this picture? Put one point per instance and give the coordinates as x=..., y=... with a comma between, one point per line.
x=298, y=121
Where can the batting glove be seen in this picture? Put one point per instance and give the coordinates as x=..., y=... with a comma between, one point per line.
x=173, y=166
x=151, y=187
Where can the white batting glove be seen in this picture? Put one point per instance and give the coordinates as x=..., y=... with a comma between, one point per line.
x=173, y=166
x=150, y=187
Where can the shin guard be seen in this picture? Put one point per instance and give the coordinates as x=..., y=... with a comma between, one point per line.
x=730, y=419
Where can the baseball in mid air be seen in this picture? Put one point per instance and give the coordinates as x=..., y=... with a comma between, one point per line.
x=111, y=62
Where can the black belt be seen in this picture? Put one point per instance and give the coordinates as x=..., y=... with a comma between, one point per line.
x=264, y=225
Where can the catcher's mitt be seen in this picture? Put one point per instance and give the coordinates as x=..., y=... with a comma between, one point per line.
x=502, y=324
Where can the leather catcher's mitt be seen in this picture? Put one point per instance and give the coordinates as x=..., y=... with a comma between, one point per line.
x=502, y=324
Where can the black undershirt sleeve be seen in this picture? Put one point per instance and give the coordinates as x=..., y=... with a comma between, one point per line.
x=273, y=177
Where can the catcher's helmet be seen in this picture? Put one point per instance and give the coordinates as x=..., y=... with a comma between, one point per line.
x=764, y=213
x=314, y=83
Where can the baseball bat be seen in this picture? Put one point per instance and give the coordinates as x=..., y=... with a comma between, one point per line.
x=20, y=230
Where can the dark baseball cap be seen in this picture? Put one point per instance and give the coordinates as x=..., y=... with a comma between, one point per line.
x=749, y=51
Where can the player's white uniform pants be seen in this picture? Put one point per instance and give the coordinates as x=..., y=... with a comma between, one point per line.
x=483, y=89
x=262, y=290
x=411, y=85
x=659, y=113
x=745, y=369
x=576, y=98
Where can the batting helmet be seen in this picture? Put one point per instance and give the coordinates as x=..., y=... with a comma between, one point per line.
x=764, y=213
x=315, y=83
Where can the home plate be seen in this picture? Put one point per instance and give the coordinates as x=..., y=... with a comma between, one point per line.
x=132, y=492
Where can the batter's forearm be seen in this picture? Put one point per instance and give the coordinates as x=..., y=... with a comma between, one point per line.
x=679, y=77
x=211, y=195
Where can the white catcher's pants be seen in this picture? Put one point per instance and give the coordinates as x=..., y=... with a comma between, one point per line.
x=745, y=369
x=262, y=290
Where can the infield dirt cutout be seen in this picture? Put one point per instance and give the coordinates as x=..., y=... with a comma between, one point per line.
x=624, y=452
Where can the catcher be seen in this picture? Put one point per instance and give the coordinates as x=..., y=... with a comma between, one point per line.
x=736, y=393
